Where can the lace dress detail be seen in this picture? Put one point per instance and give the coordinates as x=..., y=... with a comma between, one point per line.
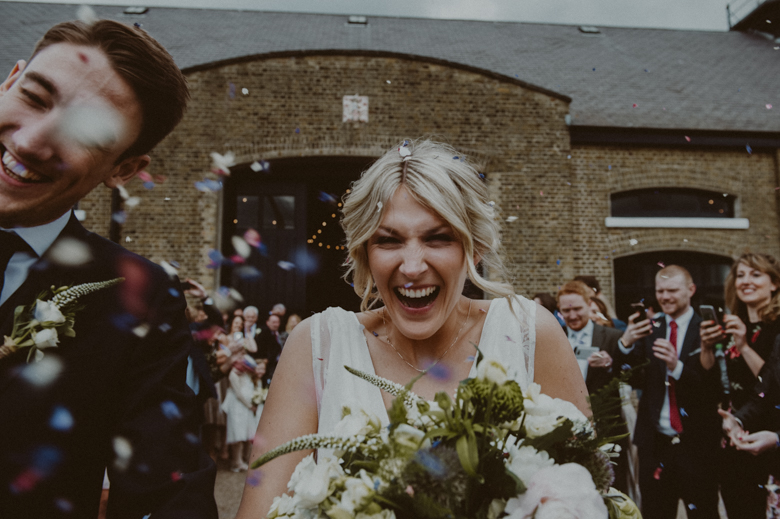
x=337, y=339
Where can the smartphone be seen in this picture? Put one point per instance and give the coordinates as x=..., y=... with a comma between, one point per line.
x=186, y=285
x=638, y=307
x=708, y=313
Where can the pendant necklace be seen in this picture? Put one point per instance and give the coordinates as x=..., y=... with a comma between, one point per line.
x=423, y=371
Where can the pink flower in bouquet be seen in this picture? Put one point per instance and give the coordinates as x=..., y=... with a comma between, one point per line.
x=559, y=492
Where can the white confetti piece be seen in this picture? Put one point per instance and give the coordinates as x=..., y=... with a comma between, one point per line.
x=69, y=252
x=241, y=247
x=511, y=219
x=87, y=15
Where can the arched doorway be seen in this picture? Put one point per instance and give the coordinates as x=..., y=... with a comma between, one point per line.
x=635, y=277
x=295, y=206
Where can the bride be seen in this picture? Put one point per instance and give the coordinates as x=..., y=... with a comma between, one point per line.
x=418, y=223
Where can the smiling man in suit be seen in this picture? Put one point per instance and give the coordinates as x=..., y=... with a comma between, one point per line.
x=678, y=428
x=85, y=110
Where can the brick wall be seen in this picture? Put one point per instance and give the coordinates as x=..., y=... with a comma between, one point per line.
x=516, y=134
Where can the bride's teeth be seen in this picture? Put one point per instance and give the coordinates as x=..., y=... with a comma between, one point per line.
x=415, y=294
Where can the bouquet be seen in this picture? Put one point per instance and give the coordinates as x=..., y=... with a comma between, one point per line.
x=39, y=325
x=491, y=451
x=259, y=395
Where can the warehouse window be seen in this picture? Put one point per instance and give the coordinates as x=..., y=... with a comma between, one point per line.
x=670, y=207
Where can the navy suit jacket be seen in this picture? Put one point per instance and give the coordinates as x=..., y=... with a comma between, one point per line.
x=115, y=384
x=696, y=390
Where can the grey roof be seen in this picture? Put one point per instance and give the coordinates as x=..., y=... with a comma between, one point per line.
x=677, y=79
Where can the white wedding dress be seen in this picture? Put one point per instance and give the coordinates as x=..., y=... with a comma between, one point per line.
x=337, y=339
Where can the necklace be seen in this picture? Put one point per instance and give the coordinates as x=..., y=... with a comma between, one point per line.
x=423, y=371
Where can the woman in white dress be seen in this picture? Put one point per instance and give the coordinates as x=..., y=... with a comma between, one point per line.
x=418, y=223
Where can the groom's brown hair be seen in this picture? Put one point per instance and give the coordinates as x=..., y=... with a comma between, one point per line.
x=159, y=86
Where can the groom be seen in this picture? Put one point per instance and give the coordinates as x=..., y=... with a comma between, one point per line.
x=85, y=110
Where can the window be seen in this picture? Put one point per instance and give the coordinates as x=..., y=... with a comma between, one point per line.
x=671, y=207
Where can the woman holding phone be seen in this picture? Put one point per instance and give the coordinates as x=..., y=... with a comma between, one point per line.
x=749, y=333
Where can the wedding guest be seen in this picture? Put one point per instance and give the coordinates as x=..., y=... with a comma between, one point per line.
x=269, y=346
x=752, y=295
x=417, y=224
x=598, y=313
x=119, y=384
x=251, y=313
x=548, y=301
x=594, y=285
x=678, y=429
x=292, y=322
x=280, y=310
x=241, y=410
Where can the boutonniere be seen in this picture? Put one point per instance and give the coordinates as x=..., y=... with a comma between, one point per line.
x=39, y=325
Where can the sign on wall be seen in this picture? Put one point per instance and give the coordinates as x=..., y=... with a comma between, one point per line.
x=355, y=109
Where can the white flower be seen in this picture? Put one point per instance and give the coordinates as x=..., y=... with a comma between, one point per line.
x=282, y=505
x=47, y=312
x=491, y=370
x=496, y=508
x=407, y=436
x=356, y=423
x=356, y=494
x=559, y=492
x=525, y=462
x=311, y=481
x=46, y=338
x=543, y=413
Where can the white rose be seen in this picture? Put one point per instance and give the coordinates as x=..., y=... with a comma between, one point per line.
x=311, y=481
x=46, y=338
x=355, y=495
x=47, y=312
x=543, y=413
x=282, y=505
x=491, y=370
x=525, y=462
x=356, y=423
x=408, y=436
x=559, y=492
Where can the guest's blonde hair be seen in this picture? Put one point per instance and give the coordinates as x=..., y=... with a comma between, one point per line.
x=440, y=179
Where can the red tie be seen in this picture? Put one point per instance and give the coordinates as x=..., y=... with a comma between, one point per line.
x=674, y=411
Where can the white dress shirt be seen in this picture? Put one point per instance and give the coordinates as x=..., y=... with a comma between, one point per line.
x=583, y=336
x=664, y=425
x=39, y=239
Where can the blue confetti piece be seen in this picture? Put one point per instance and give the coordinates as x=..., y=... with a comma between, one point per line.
x=231, y=90
x=173, y=292
x=45, y=459
x=691, y=507
x=326, y=197
x=62, y=504
x=297, y=130
x=439, y=372
x=119, y=217
x=625, y=367
x=682, y=412
x=170, y=410
x=749, y=149
x=137, y=25
x=558, y=262
x=254, y=478
x=455, y=157
x=594, y=69
x=61, y=419
x=375, y=334
x=208, y=186
x=164, y=327
x=432, y=463
x=470, y=358
x=149, y=185
x=647, y=70
x=192, y=438
x=124, y=322
x=407, y=285
x=609, y=167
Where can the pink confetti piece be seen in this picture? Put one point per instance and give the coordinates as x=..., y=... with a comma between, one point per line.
x=768, y=106
x=661, y=264
x=687, y=138
x=508, y=338
x=634, y=105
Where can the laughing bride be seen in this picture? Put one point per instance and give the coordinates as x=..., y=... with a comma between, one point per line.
x=418, y=224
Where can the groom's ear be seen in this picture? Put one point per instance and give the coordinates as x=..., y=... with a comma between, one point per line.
x=16, y=72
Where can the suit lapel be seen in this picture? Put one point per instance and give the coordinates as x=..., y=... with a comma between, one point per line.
x=690, y=342
x=598, y=336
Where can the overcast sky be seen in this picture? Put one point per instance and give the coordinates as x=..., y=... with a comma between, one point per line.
x=674, y=14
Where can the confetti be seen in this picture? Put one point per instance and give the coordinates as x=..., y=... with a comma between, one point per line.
x=768, y=106
x=297, y=130
x=253, y=238
x=141, y=330
x=327, y=198
x=221, y=164
x=241, y=247
x=42, y=373
x=470, y=358
x=69, y=252
x=92, y=126
x=175, y=476
x=245, y=91
x=208, y=186
x=661, y=264
x=378, y=206
x=634, y=105
x=254, y=478
x=682, y=412
x=231, y=90
x=511, y=219
x=687, y=138
x=388, y=81
x=558, y=262
x=286, y=265
x=63, y=505
x=164, y=327
x=439, y=372
x=248, y=273
x=61, y=419
x=134, y=200
x=633, y=241
x=170, y=410
x=404, y=151
x=124, y=451
x=508, y=338
x=657, y=473
x=761, y=394
x=749, y=149
x=87, y=15
x=541, y=193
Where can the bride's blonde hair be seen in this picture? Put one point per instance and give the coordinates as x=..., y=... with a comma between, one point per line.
x=441, y=179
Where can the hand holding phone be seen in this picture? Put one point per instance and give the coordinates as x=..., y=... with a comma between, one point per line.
x=637, y=329
x=710, y=330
